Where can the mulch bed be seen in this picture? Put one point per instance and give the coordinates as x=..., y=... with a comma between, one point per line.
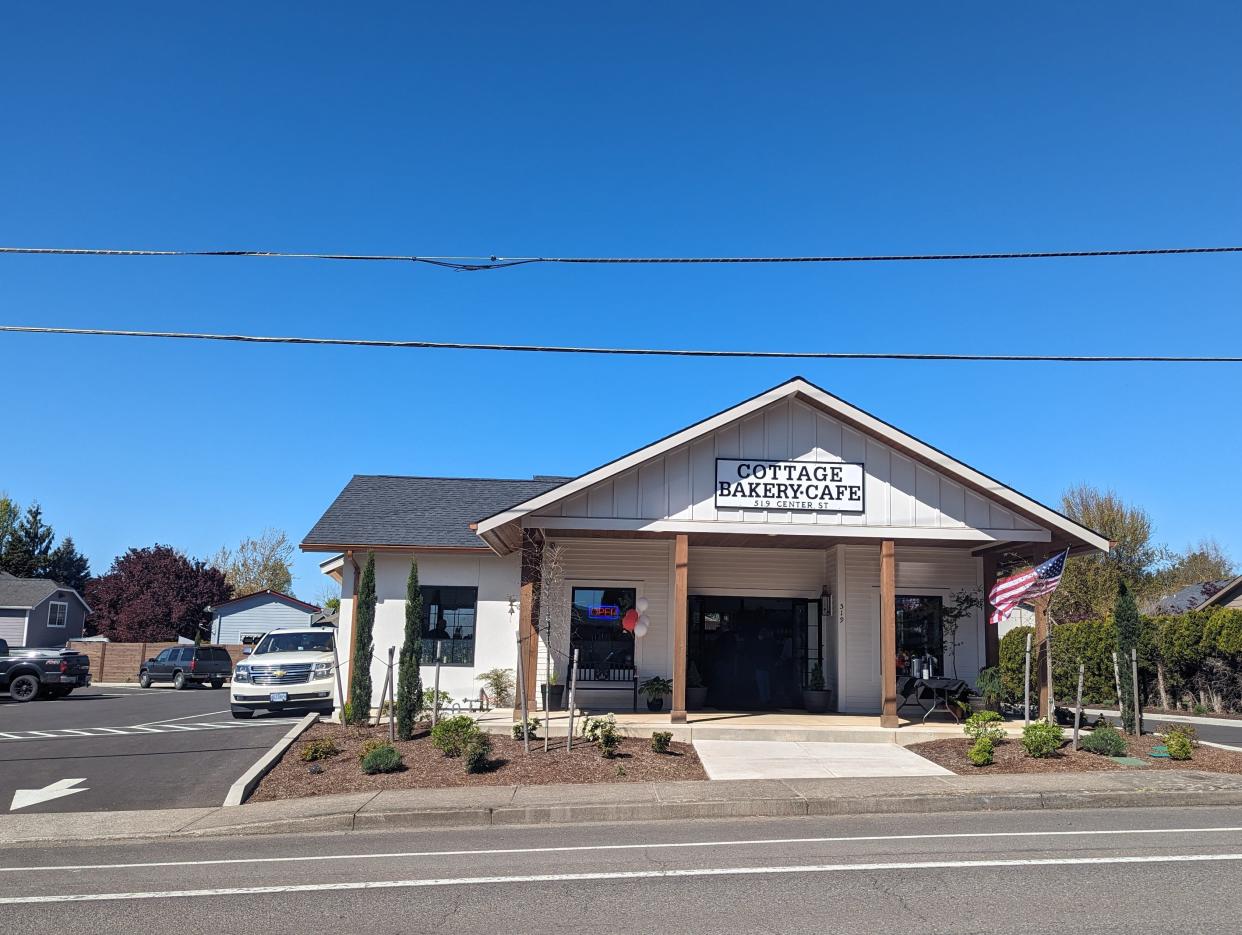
x=427, y=768
x=1009, y=757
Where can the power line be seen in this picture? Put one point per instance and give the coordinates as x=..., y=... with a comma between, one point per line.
x=626, y=351
x=479, y=263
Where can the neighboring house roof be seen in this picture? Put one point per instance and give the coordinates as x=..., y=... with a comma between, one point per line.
x=24, y=593
x=427, y=512
x=1195, y=596
x=274, y=595
x=852, y=415
x=326, y=618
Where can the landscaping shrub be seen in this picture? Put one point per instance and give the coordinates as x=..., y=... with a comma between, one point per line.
x=1041, y=739
x=591, y=726
x=1185, y=730
x=991, y=687
x=980, y=753
x=383, y=759
x=660, y=740
x=369, y=745
x=478, y=749
x=429, y=699
x=1179, y=746
x=452, y=735
x=322, y=749
x=985, y=724
x=500, y=686
x=1012, y=648
x=602, y=731
x=1105, y=741
x=530, y=727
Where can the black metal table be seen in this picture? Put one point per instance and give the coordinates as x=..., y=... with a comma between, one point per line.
x=941, y=690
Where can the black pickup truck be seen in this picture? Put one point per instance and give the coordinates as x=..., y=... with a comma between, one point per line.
x=27, y=674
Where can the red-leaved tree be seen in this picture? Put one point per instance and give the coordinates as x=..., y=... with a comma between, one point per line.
x=155, y=594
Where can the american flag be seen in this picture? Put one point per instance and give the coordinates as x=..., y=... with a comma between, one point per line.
x=1009, y=592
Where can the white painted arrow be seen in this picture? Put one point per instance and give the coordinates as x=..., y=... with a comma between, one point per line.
x=24, y=797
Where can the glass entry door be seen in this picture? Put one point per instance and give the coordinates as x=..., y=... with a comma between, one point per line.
x=754, y=653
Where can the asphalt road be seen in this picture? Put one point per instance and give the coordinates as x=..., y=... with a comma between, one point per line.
x=1220, y=730
x=136, y=748
x=1122, y=870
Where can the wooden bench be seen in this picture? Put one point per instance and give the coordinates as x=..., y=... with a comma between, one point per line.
x=604, y=678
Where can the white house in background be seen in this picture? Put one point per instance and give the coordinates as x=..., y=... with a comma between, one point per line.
x=789, y=532
x=243, y=620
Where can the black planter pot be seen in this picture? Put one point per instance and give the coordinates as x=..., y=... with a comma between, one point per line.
x=655, y=704
x=816, y=701
x=696, y=697
x=553, y=697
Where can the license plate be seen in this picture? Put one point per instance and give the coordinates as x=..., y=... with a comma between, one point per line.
x=279, y=696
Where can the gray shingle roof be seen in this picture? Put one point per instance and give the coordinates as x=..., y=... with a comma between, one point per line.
x=27, y=592
x=418, y=511
x=1189, y=597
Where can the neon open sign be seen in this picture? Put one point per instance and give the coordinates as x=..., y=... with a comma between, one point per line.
x=604, y=612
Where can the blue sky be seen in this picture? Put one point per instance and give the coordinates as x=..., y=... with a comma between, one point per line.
x=576, y=129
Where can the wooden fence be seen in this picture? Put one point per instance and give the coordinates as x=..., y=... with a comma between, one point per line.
x=119, y=662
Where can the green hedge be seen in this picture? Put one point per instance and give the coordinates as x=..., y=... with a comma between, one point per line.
x=1186, y=645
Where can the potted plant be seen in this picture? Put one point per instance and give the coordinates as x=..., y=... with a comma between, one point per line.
x=816, y=698
x=654, y=689
x=553, y=693
x=696, y=691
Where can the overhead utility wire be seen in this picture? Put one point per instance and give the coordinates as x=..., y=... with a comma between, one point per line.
x=477, y=263
x=621, y=351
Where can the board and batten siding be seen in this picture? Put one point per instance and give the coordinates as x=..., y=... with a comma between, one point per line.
x=920, y=571
x=680, y=484
x=646, y=565
x=255, y=617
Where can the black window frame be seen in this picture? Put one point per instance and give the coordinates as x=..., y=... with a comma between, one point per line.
x=437, y=595
x=588, y=660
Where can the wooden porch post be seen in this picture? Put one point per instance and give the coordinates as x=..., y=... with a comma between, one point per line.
x=681, y=614
x=888, y=635
x=991, y=634
x=528, y=615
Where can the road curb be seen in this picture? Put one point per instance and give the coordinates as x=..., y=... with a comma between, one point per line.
x=240, y=790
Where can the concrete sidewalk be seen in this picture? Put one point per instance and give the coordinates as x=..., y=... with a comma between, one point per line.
x=603, y=802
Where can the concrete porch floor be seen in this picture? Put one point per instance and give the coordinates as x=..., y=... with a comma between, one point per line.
x=786, y=726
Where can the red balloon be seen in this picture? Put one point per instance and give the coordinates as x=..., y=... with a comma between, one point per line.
x=630, y=620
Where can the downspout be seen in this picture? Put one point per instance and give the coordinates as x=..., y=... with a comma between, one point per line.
x=353, y=615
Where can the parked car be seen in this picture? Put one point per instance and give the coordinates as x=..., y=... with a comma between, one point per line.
x=291, y=669
x=27, y=674
x=183, y=665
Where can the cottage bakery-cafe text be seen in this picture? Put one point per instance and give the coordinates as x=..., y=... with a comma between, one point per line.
x=789, y=537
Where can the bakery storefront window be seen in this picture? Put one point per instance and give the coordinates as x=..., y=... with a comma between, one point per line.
x=448, y=619
x=595, y=627
x=919, y=633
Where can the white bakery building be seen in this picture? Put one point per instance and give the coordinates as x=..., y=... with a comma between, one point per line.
x=788, y=532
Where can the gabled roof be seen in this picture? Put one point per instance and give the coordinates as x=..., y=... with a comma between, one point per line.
x=376, y=511
x=24, y=593
x=1195, y=596
x=274, y=595
x=490, y=528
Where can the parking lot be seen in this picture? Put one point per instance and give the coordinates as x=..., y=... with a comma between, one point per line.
x=128, y=748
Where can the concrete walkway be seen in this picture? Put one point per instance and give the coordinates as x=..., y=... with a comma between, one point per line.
x=775, y=759
x=639, y=801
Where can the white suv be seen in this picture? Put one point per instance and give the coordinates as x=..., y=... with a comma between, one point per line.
x=289, y=670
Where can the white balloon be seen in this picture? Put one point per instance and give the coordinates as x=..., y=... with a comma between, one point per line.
x=644, y=620
x=640, y=628
x=641, y=605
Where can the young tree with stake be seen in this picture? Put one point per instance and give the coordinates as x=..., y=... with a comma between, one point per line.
x=409, y=680
x=360, y=663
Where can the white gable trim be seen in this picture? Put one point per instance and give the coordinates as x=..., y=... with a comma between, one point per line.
x=866, y=422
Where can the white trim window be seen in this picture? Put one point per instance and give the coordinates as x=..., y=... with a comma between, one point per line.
x=57, y=614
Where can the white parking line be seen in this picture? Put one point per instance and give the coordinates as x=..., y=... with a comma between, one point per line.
x=169, y=720
x=619, y=875
x=63, y=733
x=657, y=845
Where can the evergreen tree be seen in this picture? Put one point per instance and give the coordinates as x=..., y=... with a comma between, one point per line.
x=360, y=664
x=409, y=678
x=1126, y=617
x=29, y=546
x=67, y=566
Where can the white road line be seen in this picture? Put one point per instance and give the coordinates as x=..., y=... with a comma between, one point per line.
x=65, y=733
x=846, y=839
x=618, y=875
x=185, y=718
x=10, y=736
